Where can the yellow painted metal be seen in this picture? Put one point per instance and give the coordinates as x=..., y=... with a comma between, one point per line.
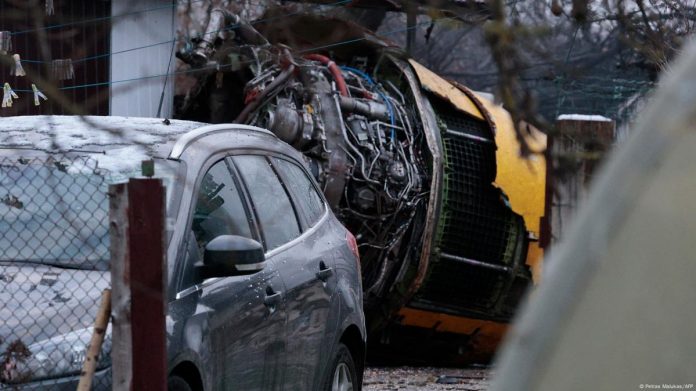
x=524, y=182
x=522, y=179
x=445, y=90
x=488, y=333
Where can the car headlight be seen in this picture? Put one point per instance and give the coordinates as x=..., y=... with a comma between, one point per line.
x=62, y=355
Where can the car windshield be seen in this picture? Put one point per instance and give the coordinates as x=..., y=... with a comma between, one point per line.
x=55, y=211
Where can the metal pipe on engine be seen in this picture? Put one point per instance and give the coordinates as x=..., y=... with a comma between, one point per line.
x=368, y=108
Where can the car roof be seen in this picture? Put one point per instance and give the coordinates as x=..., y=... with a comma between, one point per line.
x=190, y=137
x=114, y=140
x=61, y=133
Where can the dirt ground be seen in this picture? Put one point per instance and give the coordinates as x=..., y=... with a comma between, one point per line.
x=425, y=378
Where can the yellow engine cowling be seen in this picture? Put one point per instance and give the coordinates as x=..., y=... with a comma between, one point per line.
x=522, y=179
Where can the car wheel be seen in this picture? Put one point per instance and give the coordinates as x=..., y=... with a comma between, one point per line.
x=176, y=383
x=342, y=376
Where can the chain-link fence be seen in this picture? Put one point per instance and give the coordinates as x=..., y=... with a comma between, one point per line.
x=54, y=265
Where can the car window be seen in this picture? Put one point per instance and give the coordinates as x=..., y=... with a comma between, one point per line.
x=273, y=207
x=303, y=191
x=219, y=207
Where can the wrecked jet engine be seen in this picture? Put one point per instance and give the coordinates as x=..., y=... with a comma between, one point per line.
x=408, y=172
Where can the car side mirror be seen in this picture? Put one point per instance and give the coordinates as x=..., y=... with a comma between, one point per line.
x=229, y=255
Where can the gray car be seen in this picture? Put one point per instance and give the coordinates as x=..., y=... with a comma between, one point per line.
x=283, y=312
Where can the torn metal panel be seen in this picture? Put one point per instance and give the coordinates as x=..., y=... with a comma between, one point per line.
x=432, y=136
x=445, y=90
x=480, y=239
x=523, y=179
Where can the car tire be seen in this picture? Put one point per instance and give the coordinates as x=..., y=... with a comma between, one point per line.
x=176, y=383
x=342, y=375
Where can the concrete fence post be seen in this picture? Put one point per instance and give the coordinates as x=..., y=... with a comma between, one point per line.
x=574, y=153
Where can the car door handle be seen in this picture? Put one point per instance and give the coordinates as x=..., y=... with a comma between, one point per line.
x=272, y=298
x=324, y=272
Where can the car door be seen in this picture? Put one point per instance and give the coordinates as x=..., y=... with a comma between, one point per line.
x=307, y=266
x=243, y=317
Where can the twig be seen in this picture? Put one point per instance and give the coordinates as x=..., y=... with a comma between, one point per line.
x=95, y=344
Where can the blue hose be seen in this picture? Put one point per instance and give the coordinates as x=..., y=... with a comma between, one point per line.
x=367, y=77
x=359, y=73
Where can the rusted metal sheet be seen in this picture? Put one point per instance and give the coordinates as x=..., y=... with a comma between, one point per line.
x=146, y=228
x=138, y=280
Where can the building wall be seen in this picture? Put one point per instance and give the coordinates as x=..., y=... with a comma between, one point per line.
x=154, y=27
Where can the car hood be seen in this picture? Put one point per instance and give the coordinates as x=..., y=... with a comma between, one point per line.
x=40, y=302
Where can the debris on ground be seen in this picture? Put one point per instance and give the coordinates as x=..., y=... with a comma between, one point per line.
x=426, y=378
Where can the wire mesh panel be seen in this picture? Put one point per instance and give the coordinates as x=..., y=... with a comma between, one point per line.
x=480, y=237
x=54, y=265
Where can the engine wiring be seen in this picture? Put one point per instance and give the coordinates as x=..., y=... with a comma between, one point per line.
x=383, y=173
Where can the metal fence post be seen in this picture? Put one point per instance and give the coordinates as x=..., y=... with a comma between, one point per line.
x=138, y=271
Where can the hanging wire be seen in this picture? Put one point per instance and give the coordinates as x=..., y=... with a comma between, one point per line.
x=228, y=28
x=600, y=89
x=217, y=66
x=164, y=87
x=101, y=18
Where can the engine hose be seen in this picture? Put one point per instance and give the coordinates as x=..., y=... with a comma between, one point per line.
x=280, y=80
x=381, y=95
x=334, y=69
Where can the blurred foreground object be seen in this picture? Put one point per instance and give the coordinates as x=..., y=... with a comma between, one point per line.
x=615, y=311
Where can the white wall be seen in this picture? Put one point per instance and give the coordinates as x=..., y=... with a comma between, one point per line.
x=141, y=98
